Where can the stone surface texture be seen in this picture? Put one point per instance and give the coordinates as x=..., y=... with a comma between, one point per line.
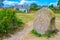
x=44, y=20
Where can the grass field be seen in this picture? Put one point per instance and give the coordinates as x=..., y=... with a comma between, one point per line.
x=57, y=11
x=27, y=17
x=57, y=17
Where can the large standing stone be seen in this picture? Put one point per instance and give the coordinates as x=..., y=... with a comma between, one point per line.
x=44, y=21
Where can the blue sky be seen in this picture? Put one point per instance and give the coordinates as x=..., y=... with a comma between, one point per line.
x=39, y=2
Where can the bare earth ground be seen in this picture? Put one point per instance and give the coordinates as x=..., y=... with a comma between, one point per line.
x=26, y=35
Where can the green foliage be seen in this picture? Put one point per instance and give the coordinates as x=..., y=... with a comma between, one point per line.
x=58, y=3
x=52, y=7
x=47, y=34
x=34, y=7
x=35, y=33
x=8, y=21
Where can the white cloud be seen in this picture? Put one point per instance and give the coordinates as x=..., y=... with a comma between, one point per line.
x=55, y=3
x=22, y=2
x=10, y=2
x=31, y=1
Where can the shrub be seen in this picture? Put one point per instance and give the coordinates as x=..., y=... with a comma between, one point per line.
x=8, y=21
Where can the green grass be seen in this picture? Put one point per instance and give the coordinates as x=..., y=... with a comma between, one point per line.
x=57, y=17
x=35, y=33
x=47, y=34
x=57, y=14
x=26, y=17
x=56, y=11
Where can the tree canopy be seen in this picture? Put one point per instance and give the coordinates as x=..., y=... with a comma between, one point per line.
x=58, y=3
x=34, y=6
x=51, y=7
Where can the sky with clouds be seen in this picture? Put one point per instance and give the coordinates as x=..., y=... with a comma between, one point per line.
x=39, y=2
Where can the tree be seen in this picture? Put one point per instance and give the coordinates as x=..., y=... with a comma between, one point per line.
x=34, y=6
x=51, y=7
x=58, y=4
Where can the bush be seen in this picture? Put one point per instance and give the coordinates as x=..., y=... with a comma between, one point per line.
x=8, y=21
